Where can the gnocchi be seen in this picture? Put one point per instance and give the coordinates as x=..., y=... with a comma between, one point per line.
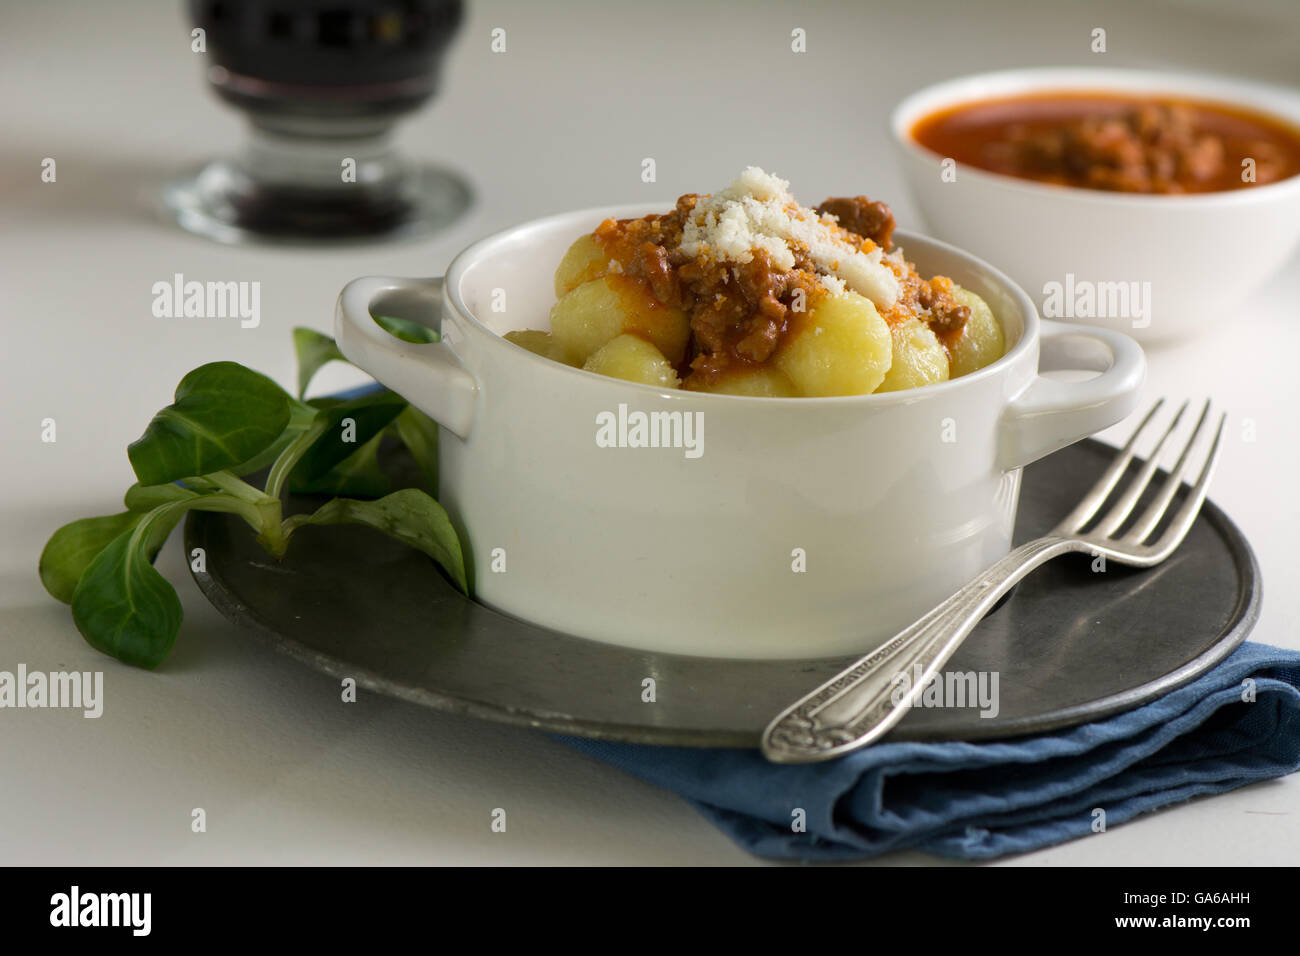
x=981, y=340
x=745, y=292
x=919, y=359
x=761, y=382
x=595, y=312
x=633, y=359
x=842, y=348
x=585, y=260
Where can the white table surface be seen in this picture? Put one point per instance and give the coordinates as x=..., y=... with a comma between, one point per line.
x=286, y=772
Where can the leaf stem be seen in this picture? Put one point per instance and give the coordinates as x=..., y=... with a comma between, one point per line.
x=158, y=523
x=235, y=487
x=291, y=455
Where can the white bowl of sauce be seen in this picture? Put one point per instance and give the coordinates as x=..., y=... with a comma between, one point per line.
x=1151, y=203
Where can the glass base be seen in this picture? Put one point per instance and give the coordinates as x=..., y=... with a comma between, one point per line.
x=223, y=202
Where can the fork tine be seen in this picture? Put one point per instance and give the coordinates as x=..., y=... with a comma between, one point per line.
x=1111, y=521
x=1186, y=515
x=1156, y=510
x=1096, y=495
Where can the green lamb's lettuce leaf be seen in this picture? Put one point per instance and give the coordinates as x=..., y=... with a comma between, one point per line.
x=301, y=416
x=419, y=433
x=73, y=547
x=344, y=428
x=224, y=414
x=409, y=515
x=406, y=330
x=124, y=607
x=314, y=350
x=357, y=476
x=227, y=422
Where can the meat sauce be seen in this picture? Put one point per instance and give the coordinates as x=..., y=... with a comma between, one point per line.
x=1115, y=142
x=740, y=314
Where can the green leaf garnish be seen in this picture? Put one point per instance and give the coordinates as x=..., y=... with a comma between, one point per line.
x=124, y=607
x=408, y=515
x=406, y=330
x=227, y=422
x=224, y=414
x=357, y=476
x=369, y=415
x=73, y=547
x=419, y=433
x=314, y=350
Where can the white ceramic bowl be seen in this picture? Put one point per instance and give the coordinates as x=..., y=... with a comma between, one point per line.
x=1202, y=254
x=888, y=502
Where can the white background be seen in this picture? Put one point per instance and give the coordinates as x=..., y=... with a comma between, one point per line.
x=288, y=774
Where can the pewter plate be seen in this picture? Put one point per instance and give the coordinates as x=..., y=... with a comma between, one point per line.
x=1069, y=644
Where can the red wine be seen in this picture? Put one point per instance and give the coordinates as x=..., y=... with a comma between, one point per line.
x=333, y=57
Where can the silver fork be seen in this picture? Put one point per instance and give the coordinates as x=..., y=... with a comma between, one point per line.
x=861, y=703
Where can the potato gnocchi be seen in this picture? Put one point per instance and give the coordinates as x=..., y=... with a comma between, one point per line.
x=599, y=310
x=635, y=360
x=842, y=348
x=981, y=340
x=918, y=358
x=747, y=293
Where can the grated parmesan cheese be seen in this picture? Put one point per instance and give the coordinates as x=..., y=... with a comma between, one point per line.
x=757, y=212
x=833, y=284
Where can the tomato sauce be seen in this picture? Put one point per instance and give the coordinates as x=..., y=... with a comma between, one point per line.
x=1117, y=142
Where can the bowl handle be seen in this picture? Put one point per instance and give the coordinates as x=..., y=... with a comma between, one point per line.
x=1050, y=414
x=429, y=376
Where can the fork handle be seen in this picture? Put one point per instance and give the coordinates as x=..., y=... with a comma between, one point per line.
x=861, y=703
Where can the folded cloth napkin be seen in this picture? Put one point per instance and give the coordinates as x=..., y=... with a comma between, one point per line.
x=977, y=801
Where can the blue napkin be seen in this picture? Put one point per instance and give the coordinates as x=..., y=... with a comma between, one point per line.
x=977, y=801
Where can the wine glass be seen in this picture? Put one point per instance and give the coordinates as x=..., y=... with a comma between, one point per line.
x=323, y=83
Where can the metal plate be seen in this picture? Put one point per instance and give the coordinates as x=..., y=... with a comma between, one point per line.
x=1069, y=644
